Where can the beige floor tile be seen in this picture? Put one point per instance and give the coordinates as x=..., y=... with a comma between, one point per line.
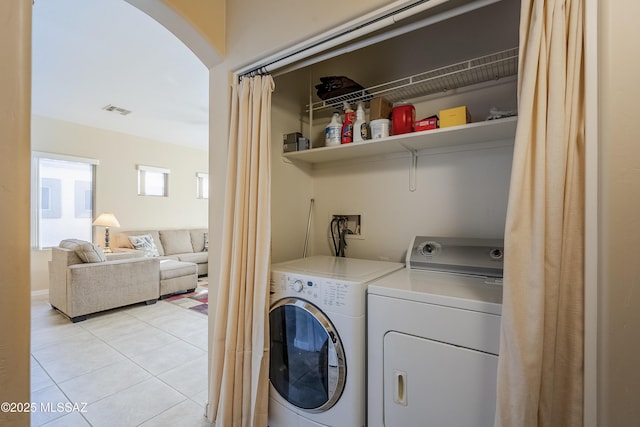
x=179, y=324
x=134, y=405
x=46, y=402
x=168, y=357
x=104, y=382
x=56, y=332
x=39, y=378
x=185, y=414
x=190, y=378
x=150, y=312
x=45, y=314
x=139, y=364
x=114, y=326
x=40, y=305
x=72, y=419
x=70, y=360
x=201, y=398
x=142, y=341
x=199, y=337
x=66, y=343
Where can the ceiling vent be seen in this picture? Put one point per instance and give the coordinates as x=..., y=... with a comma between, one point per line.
x=114, y=109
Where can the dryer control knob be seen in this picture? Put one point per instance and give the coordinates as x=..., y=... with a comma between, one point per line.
x=297, y=286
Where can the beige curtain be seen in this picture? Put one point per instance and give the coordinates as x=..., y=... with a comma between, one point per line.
x=540, y=373
x=240, y=360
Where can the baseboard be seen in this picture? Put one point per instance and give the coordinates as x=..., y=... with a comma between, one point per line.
x=41, y=292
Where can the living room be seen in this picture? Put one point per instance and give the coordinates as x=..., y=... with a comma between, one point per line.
x=116, y=181
x=116, y=359
x=167, y=128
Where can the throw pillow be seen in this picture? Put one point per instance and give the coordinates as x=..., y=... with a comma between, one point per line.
x=71, y=243
x=145, y=244
x=206, y=242
x=90, y=252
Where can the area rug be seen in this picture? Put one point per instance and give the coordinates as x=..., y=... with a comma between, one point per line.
x=197, y=300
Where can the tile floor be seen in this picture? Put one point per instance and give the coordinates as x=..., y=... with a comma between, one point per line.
x=136, y=366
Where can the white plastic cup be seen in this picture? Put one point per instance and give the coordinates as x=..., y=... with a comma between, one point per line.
x=380, y=128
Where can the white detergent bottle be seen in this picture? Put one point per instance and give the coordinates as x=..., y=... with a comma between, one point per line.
x=360, y=130
x=333, y=131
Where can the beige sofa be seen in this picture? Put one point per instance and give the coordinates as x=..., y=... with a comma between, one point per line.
x=78, y=287
x=83, y=280
x=186, y=245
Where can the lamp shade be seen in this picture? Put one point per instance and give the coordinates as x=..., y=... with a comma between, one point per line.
x=107, y=220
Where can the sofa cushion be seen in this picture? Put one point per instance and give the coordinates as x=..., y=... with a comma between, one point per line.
x=199, y=239
x=197, y=257
x=90, y=252
x=170, y=269
x=145, y=244
x=176, y=241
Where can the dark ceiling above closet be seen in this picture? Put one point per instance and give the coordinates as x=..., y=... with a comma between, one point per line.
x=480, y=32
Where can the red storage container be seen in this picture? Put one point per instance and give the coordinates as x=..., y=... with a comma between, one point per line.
x=426, y=124
x=402, y=119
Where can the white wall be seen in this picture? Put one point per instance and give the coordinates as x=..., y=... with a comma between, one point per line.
x=458, y=193
x=116, y=180
x=290, y=193
x=619, y=233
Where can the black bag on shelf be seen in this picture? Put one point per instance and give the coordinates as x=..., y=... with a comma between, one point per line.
x=333, y=86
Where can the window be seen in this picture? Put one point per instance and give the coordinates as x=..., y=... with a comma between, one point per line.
x=153, y=181
x=202, y=185
x=62, y=198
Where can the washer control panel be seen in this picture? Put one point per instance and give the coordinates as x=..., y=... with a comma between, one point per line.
x=328, y=294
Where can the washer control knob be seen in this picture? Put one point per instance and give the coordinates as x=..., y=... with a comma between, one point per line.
x=297, y=285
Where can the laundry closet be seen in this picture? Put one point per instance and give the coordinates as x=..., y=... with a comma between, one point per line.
x=442, y=182
x=449, y=185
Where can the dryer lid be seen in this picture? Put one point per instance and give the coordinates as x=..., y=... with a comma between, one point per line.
x=479, y=257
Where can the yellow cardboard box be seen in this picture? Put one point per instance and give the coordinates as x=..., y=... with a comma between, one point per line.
x=454, y=116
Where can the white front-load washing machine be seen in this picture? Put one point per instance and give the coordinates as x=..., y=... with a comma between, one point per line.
x=434, y=335
x=317, y=340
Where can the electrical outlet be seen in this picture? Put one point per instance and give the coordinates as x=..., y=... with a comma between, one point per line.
x=353, y=222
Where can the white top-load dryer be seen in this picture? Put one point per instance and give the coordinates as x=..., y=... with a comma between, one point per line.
x=433, y=336
x=317, y=340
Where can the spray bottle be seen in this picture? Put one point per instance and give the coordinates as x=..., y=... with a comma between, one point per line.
x=360, y=132
x=347, y=126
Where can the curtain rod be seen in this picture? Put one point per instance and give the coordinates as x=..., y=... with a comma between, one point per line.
x=344, y=33
x=385, y=36
x=376, y=20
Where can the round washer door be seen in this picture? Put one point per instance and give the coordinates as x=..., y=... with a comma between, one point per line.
x=307, y=364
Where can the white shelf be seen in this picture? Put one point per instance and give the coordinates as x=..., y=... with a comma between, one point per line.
x=469, y=134
x=477, y=70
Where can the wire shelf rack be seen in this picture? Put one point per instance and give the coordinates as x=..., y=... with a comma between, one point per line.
x=489, y=67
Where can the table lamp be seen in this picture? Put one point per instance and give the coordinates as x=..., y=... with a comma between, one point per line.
x=106, y=220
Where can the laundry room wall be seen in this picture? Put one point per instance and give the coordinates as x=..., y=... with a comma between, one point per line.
x=291, y=188
x=256, y=30
x=460, y=191
x=458, y=194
